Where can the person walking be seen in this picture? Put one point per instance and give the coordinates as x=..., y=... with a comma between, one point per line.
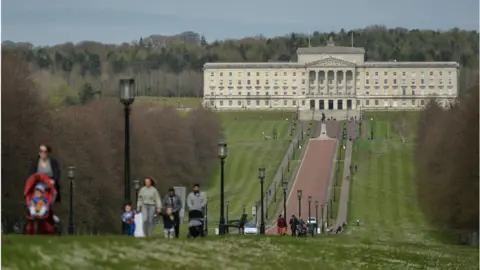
x=148, y=203
x=174, y=202
x=196, y=200
x=281, y=225
x=293, y=225
x=45, y=164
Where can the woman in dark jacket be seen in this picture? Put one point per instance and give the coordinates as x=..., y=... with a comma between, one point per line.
x=49, y=166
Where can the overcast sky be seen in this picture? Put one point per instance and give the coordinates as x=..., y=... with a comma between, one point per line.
x=49, y=22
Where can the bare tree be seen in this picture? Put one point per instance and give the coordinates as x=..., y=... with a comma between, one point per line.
x=402, y=126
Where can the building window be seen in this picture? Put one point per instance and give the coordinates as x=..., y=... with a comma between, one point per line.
x=421, y=73
x=404, y=73
x=248, y=102
x=440, y=73
x=239, y=82
x=294, y=103
x=413, y=74
x=221, y=74
x=285, y=93
x=303, y=73
x=395, y=81
x=449, y=81
x=275, y=74
x=258, y=82
x=221, y=82
x=422, y=102
x=376, y=73
x=258, y=73
x=376, y=81
x=248, y=82
x=221, y=102
x=212, y=74
x=266, y=74
x=276, y=93
x=266, y=102
x=212, y=103
x=239, y=74
x=358, y=102
x=285, y=102
x=367, y=74
x=239, y=93
x=258, y=102
x=413, y=81
x=248, y=93
x=367, y=102
x=431, y=73
x=404, y=81
x=266, y=82
x=239, y=103
x=422, y=81
x=248, y=73
x=258, y=93
x=413, y=101
x=303, y=81
x=230, y=103
x=440, y=81
x=303, y=102
x=294, y=73
x=285, y=73
x=413, y=92
x=394, y=73
x=449, y=73
x=230, y=82
x=385, y=73
x=376, y=102
x=385, y=81
x=230, y=74
x=266, y=93
x=294, y=93
x=367, y=81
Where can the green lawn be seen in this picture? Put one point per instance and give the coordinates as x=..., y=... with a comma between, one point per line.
x=185, y=102
x=232, y=252
x=247, y=151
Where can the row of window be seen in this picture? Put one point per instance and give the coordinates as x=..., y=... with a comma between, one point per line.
x=404, y=81
x=294, y=73
x=267, y=82
x=375, y=102
x=275, y=73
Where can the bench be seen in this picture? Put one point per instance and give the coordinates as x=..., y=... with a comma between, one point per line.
x=238, y=224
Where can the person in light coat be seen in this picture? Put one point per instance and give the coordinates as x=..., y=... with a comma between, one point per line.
x=149, y=203
x=196, y=200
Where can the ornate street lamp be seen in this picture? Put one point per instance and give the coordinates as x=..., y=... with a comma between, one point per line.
x=261, y=176
x=136, y=186
x=299, y=195
x=285, y=187
x=71, y=177
x=222, y=155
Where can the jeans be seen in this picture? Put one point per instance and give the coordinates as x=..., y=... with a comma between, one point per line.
x=148, y=214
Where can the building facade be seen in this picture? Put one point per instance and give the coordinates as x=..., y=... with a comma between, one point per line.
x=329, y=78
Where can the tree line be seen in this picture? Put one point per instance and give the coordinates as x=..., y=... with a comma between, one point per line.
x=446, y=165
x=175, y=69
x=173, y=149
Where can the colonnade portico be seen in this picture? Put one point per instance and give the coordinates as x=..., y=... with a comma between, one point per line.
x=332, y=82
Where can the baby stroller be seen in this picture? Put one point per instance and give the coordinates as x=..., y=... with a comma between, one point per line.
x=195, y=224
x=302, y=230
x=39, y=224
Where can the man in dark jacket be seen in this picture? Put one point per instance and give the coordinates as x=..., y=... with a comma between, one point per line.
x=173, y=201
x=293, y=225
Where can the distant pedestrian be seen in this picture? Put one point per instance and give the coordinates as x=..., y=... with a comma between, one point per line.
x=356, y=168
x=281, y=225
x=174, y=202
x=169, y=223
x=358, y=222
x=149, y=203
x=293, y=225
x=128, y=218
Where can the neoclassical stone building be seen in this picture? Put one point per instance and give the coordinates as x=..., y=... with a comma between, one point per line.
x=329, y=78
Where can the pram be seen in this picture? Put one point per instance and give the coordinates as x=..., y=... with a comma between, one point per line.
x=46, y=223
x=195, y=224
x=302, y=230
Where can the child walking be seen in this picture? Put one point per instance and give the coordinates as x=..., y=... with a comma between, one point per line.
x=128, y=218
x=169, y=223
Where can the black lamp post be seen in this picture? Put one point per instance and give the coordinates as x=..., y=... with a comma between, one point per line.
x=71, y=176
x=136, y=186
x=227, y=204
x=326, y=213
x=371, y=128
x=316, y=213
x=206, y=217
x=323, y=223
x=299, y=194
x=274, y=192
x=285, y=187
x=127, y=96
x=243, y=209
x=266, y=204
x=261, y=176
x=331, y=209
x=309, y=206
x=222, y=154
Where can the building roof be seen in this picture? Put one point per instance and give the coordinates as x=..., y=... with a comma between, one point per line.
x=253, y=65
x=392, y=64
x=331, y=49
x=274, y=65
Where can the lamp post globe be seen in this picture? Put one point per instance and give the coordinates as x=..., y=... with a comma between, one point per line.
x=222, y=155
x=261, y=176
x=71, y=177
x=127, y=91
x=136, y=186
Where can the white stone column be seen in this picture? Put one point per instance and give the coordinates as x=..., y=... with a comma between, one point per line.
x=354, y=83
x=335, y=104
x=317, y=91
x=335, y=86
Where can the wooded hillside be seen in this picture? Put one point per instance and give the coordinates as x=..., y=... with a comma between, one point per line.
x=74, y=73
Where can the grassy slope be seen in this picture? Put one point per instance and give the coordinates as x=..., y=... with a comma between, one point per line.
x=247, y=151
x=233, y=252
